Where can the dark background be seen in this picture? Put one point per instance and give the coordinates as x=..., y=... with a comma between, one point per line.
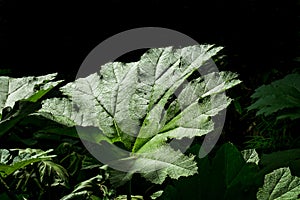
x=40, y=37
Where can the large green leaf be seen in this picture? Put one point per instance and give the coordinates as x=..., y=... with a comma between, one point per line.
x=280, y=184
x=225, y=176
x=132, y=104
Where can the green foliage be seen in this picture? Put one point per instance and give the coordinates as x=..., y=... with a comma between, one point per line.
x=226, y=176
x=5, y=72
x=134, y=99
x=281, y=95
x=30, y=172
x=10, y=164
x=271, y=140
x=279, y=159
x=33, y=174
x=280, y=184
x=85, y=190
x=232, y=174
x=277, y=115
x=132, y=106
x=30, y=88
x=19, y=97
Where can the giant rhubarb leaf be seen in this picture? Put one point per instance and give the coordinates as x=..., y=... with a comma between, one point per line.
x=144, y=104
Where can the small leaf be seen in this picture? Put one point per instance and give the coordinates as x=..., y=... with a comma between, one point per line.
x=157, y=194
x=250, y=156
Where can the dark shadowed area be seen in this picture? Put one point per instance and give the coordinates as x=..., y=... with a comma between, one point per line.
x=39, y=37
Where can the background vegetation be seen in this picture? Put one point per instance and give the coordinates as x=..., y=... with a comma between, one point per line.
x=261, y=41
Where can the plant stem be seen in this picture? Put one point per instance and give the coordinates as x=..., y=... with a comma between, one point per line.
x=129, y=190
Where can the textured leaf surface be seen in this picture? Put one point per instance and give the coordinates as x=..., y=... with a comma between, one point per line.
x=15, y=89
x=175, y=164
x=280, y=184
x=133, y=103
